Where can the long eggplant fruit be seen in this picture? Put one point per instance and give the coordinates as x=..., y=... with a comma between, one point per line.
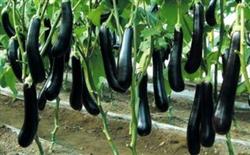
x=195, y=53
x=225, y=108
x=144, y=119
x=193, y=128
x=30, y=124
x=12, y=54
x=35, y=62
x=174, y=67
x=109, y=60
x=75, y=98
x=161, y=99
x=207, y=110
x=124, y=67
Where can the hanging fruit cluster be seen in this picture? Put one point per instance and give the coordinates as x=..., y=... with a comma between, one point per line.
x=119, y=49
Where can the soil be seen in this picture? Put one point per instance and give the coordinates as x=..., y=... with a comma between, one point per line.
x=83, y=133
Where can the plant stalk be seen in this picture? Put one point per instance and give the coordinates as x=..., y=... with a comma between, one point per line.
x=44, y=9
x=116, y=14
x=242, y=50
x=106, y=128
x=53, y=29
x=229, y=144
x=19, y=39
x=39, y=145
x=222, y=29
x=56, y=125
x=133, y=102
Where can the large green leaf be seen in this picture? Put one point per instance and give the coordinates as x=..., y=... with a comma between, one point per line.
x=10, y=80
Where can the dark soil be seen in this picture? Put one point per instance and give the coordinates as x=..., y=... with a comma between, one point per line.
x=83, y=133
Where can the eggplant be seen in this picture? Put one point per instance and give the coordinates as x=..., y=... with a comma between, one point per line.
x=65, y=33
x=109, y=60
x=55, y=79
x=13, y=59
x=175, y=78
x=8, y=28
x=35, y=62
x=75, y=98
x=210, y=13
x=224, y=111
x=160, y=95
x=124, y=67
x=144, y=119
x=207, y=132
x=195, y=54
x=193, y=128
x=30, y=124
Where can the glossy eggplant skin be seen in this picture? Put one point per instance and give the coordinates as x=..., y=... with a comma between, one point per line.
x=109, y=60
x=115, y=43
x=174, y=67
x=30, y=124
x=8, y=28
x=225, y=108
x=144, y=119
x=248, y=100
x=55, y=79
x=35, y=62
x=67, y=55
x=75, y=98
x=193, y=128
x=248, y=38
x=104, y=17
x=167, y=51
x=47, y=52
x=41, y=98
x=12, y=55
x=124, y=66
x=210, y=13
x=207, y=132
x=160, y=95
x=195, y=53
x=154, y=8
x=87, y=100
x=225, y=56
x=65, y=33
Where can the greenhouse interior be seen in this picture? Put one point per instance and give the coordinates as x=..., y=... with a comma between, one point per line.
x=125, y=77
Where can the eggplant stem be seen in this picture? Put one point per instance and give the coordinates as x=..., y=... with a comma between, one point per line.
x=242, y=42
x=106, y=128
x=219, y=50
x=56, y=125
x=229, y=144
x=39, y=145
x=53, y=29
x=18, y=38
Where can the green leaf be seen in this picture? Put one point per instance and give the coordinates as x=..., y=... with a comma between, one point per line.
x=95, y=15
x=96, y=67
x=37, y=3
x=4, y=40
x=143, y=59
x=52, y=1
x=241, y=88
x=81, y=32
x=10, y=80
x=191, y=77
x=211, y=58
x=102, y=80
x=166, y=81
x=247, y=55
x=147, y=32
